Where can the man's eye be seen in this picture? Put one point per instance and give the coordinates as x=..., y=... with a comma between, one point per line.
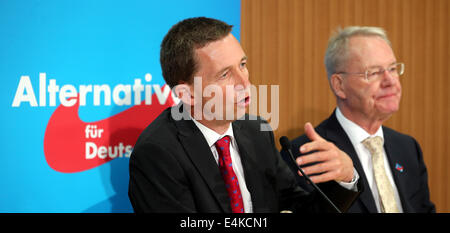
x=243, y=64
x=224, y=75
x=373, y=72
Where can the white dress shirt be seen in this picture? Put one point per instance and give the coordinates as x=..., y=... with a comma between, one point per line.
x=357, y=135
x=211, y=137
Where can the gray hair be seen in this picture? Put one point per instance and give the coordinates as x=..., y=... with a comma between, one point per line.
x=337, y=50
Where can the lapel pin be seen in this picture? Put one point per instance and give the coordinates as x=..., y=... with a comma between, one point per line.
x=399, y=167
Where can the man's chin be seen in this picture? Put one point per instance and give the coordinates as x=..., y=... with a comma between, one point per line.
x=236, y=116
x=388, y=111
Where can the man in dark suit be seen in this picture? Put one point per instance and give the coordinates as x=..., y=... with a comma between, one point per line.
x=206, y=155
x=364, y=76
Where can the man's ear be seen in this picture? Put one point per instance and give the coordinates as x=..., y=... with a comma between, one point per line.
x=337, y=85
x=184, y=93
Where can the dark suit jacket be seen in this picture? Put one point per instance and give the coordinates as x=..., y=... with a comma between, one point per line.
x=412, y=182
x=172, y=169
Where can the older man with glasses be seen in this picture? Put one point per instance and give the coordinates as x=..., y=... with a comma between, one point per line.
x=364, y=75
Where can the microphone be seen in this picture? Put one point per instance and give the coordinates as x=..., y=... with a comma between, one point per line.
x=286, y=145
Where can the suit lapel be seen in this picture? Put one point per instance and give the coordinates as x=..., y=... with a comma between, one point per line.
x=201, y=156
x=336, y=134
x=393, y=154
x=248, y=158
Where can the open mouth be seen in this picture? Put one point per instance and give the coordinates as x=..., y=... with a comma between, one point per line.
x=244, y=102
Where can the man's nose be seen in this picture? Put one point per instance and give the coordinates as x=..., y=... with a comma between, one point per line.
x=389, y=78
x=242, y=80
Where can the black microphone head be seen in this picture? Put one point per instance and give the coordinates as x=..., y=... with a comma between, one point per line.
x=285, y=143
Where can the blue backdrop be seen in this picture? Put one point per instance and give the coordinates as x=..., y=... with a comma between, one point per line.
x=78, y=45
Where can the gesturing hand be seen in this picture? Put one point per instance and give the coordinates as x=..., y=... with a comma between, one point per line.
x=332, y=163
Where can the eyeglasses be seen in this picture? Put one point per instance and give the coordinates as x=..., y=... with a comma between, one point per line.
x=375, y=73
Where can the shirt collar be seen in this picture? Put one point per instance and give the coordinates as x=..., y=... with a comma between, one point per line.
x=354, y=131
x=212, y=136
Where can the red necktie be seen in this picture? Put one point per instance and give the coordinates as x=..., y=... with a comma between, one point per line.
x=230, y=178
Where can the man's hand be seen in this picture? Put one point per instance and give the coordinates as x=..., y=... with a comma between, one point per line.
x=334, y=164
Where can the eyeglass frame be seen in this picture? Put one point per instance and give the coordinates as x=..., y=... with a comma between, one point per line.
x=379, y=72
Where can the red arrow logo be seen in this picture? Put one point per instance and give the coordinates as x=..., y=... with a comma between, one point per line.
x=72, y=145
